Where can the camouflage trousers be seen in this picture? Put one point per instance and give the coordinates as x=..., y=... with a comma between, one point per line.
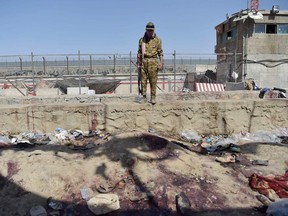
x=149, y=72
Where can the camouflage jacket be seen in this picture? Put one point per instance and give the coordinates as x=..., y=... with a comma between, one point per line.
x=153, y=47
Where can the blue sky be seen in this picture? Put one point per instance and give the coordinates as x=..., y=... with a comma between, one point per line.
x=113, y=26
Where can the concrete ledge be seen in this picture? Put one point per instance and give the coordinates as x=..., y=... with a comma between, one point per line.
x=216, y=116
x=181, y=96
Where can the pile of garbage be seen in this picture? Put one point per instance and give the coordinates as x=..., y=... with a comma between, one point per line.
x=225, y=142
x=59, y=136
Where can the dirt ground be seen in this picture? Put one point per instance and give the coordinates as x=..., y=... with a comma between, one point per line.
x=146, y=170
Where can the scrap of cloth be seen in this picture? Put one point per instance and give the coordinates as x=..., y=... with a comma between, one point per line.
x=268, y=186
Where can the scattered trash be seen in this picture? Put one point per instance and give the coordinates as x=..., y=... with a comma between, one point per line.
x=261, y=136
x=77, y=134
x=284, y=139
x=53, y=204
x=61, y=134
x=105, y=188
x=274, y=187
x=4, y=141
x=85, y=193
x=186, y=90
x=226, y=144
x=234, y=148
x=58, y=136
x=104, y=136
x=121, y=184
x=260, y=162
x=151, y=130
x=231, y=158
x=263, y=199
x=183, y=204
x=190, y=136
x=272, y=93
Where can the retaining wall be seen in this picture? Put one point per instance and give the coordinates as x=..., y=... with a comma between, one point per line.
x=207, y=113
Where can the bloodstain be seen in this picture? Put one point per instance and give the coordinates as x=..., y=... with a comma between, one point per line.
x=93, y=124
x=12, y=169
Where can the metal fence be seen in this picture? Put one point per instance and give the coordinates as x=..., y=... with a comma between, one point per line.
x=65, y=64
x=98, y=65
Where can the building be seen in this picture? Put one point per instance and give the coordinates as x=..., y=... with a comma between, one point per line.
x=253, y=44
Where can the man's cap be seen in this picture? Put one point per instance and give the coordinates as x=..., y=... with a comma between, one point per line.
x=150, y=26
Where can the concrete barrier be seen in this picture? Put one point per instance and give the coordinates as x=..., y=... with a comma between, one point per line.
x=225, y=113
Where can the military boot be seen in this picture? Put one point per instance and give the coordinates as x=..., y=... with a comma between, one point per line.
x=153, y=100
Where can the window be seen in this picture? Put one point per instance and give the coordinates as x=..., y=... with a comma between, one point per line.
x=282, y=29
x=231, y=34
x=271, y=29
x=259, y=28
x=262, y=28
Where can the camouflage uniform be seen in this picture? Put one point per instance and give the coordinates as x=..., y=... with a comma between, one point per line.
x=149, y=66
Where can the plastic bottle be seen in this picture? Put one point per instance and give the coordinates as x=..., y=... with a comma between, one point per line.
x=190, y=136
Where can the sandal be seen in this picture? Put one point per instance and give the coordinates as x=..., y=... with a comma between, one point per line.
x=105, y=188
x=227, y=159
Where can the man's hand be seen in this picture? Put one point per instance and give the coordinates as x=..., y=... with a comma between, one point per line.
x=160, y=65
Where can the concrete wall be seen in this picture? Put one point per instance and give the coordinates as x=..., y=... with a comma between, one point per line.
x=214, y=113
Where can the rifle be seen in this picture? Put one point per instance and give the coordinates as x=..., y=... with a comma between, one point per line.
x=140, y=91
x=140, y=87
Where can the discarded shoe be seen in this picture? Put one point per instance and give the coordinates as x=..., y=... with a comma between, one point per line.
x=227, y=159
x=105, y=188
x=153, y=101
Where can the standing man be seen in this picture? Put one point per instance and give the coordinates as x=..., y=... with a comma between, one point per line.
x=150, y=47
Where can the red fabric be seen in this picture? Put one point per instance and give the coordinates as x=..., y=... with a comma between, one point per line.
x=264, y=185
